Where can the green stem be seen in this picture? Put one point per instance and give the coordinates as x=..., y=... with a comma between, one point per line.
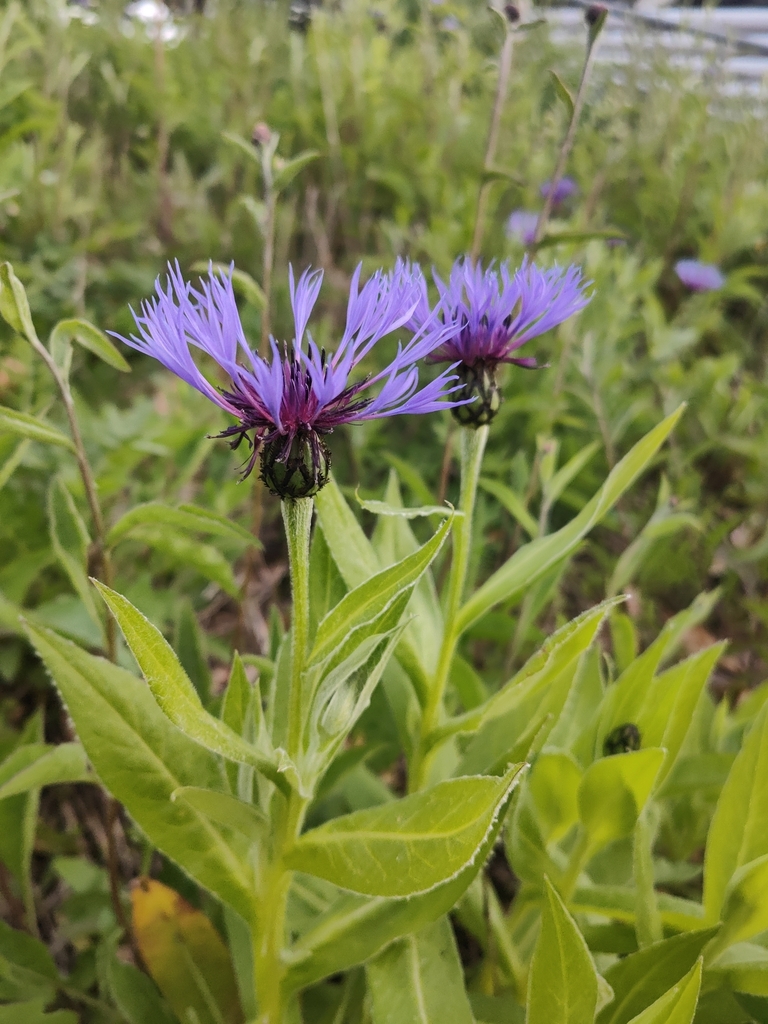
x=473, y=443
x=297, y=517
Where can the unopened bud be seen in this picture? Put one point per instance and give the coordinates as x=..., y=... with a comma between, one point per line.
x=262, y=134
x=479, y=383
x=511, y=13
x=298, y=472
x=622, y=740
x=595, y=13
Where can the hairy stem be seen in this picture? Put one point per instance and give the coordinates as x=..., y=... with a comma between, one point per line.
x=473, y=443
x=502, y=84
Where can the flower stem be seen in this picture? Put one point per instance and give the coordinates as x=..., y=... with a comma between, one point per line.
x=297, y=517
x=473, y=443
x=502, y=84
x=570, y=136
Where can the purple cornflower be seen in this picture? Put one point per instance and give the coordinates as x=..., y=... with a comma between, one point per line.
x=699, y=277
x=285, y=405
x=564, y=189
x=522, y=225
x=490, y=316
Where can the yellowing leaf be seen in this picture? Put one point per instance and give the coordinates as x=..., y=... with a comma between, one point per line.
x=185, y=955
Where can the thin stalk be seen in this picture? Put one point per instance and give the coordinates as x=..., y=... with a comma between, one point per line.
x=502, y=85
x=473, y=443
x=297, y=517
x=570, y=136
x=268, y=260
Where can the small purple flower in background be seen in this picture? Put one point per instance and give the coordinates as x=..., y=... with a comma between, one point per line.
x=284, y=406
x=564, y=189
x=450, y=24
x=522, y=225
x=699, y=277
x=490, y=316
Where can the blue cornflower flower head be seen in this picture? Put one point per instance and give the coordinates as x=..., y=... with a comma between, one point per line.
x=490, y=315
x=521, y=224
x=285, y=405
x=564, y=189
x=699, y=277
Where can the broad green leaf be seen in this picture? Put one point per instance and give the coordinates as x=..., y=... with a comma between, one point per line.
x=224, y=809
x=531, y=561
x=408, y=846
x=142, y=759
x=326, y=587
x=13, y=461
x=188, y=518
x=641, y=978
x=185, y=552
x=513, y=503
x=237, y=708
x=71, y=542
x=553, y=784
x=563, y=92
x=27, y=969
x=624, y=640
x=91, y=338
x=745, y=908
x=25, y=425
x=242, y=282
x=136, y=995
x=359, y=612
x=743, y=967
x=648, y=926
x=738, y=833
x=288, y=169
x=175, y=694
x=419, y=980
x=185, y=955
x=35, y=765
x=620, y=903
x=354, y=928
x=349, y=546
x=613, y=792
x=189, y=642
x=14, y=306
x=678, y=1005
x=562, y=984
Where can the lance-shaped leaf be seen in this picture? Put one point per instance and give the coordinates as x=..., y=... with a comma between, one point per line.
x=25, y=425
x=641, y=978
x=613, y=792
x=355, y=928
x=186, y=552
x=90, y=338
x=188, y=518
x=745, y=908
x=14, y=305
x=358, y=613
x=408, y=846
x=419, y=979
x=533, y=560
x=224, y=809
x=175, y=694
x=678, y=1005
x=286, y=170
x=738, y=833
x=563, y=982
x=37, y=764
x=142, y=759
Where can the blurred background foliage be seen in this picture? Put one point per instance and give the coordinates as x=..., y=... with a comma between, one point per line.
x=125, y=143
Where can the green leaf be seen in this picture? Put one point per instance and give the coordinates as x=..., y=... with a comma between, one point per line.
x=71, y=542
x=91, y=338
x=738, y=833
x=745, y=907
x=643, y=977
x=408, y=846
x=142, y=759
x=563, y=92
x=533, y=560
x=553, y=784
x=614, y=791
x=354, y=928
x=35, y=765
x=14, y=306
x=648, y=925
x=244, y=146
x=27, y=969
x=174, y=692
x=13, y=461
x=288, y=169
x=188, y=518
x=513, y=503
x=136, y=995
x=188, y=553
x=242, y=282
x=560, y=480
x=326, y=587
x=419, y=980
x=351, y=549
x=33, y=1012
x=382, y=508
x=562, y=985
x=236, y=710
x=678, y=1005
x=24, y=425
x=360, y=611
x=224, y=809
